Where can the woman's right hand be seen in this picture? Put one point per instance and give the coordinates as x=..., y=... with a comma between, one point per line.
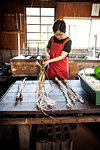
x=47, y=57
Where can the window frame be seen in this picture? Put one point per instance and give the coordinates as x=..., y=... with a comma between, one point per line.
x=40, y=24
x=89, y=34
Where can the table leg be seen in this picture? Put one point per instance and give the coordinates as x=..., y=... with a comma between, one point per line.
x=24, y=137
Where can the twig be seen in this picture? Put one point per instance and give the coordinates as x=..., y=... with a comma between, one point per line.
x=73, y=93
x=43, y=101
x=64, y=91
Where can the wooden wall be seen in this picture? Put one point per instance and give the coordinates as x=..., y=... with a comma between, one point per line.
x=73, y=9
x=9, y=35
x=8, y=38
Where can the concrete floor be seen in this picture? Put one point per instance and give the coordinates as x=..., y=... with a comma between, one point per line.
x=84, y=136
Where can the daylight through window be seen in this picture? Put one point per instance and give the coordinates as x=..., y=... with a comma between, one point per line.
x=39, y=27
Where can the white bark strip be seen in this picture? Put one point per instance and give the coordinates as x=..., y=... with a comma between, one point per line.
x=64, y=90
x=43, y=101
x=20, y=89
x=73, y=93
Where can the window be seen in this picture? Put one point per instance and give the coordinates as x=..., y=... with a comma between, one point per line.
x=95, y=32
x=39, y=26
x=82, y=32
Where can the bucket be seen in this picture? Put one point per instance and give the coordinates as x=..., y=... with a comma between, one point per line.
x=97, y=71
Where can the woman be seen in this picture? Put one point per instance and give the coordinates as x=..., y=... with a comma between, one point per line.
x=58, y=49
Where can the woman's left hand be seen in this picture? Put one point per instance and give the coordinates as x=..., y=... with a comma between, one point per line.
x=62, y=56
x=46, y=63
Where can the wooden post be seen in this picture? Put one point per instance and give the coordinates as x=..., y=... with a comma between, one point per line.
x=24, y=137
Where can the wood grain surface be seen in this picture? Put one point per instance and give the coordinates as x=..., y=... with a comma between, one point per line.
x=9, y=105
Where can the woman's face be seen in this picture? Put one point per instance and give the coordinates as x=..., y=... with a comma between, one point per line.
x=59, y=35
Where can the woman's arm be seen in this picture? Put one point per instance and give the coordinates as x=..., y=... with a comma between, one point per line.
x=48, y=50
x=62, y=56
x=47, y=54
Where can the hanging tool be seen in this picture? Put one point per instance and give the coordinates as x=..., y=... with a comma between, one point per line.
x=20, y=21
x=16, y=20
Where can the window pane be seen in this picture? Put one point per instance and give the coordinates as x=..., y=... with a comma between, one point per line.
x=47, y=11
x=35, y=44
x=33, y=28
x=49, y=35
x=79, y=36
x=43, y=28
x=47, y=20
x=32, y=44
x=42, y=45
x=33, y=11
x=95, y=31
x=83, y=35
x=39, y=25
x=33, y=20
x=50, y=28
x=43, y=36
x=68, y=30
x=46, y=28
x=33, y=36
x=72, y=33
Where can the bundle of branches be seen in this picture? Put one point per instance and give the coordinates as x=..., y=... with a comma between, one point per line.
x=43, y=101
x=64, y=90
x=72, y=94
x=69, y=93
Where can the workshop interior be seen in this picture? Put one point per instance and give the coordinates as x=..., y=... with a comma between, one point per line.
x=39, y=111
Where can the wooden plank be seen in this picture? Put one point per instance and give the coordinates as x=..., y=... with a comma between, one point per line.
x=28, y=104
x=24, y=137
x=17, y=108
x=77, y=65
x=47, y=120
x=24, y=67
x=27, y=97
x=38, y=146
x=60, y=108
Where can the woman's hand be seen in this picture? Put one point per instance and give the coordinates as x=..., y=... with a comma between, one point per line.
x=46, y=63
x=62, y=56
x=48, y=57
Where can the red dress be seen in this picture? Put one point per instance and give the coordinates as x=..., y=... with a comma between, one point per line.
x=59, y=68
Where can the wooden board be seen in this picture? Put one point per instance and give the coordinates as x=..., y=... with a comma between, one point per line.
x=76, y=66
x=9, y=106
x=28, y=67
x=20, y=67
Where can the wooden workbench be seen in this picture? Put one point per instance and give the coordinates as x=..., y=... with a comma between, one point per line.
x=24, y=113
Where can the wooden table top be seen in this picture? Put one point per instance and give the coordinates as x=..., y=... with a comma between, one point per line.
x=27, y=106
